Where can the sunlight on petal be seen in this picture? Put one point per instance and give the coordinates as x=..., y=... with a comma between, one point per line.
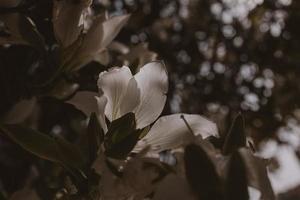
x=171, y=132
x=152, y=80
x=114, y=84
x=131, y=98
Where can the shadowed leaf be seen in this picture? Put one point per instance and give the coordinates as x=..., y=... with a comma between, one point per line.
x=43, y=146
x=20, y=111
x=63, y=89
x=21, y=30
x=201, y=173
x=121, y=137
x=84, y=101
x=95, y=137
x=236, y=136
x=25, y=194
x=236, y=187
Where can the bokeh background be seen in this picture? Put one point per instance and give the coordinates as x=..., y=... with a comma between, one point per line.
x=223, y=57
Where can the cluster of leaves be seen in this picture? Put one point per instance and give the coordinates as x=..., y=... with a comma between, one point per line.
x=212, y=168
x=57, y=39
x=61, y=40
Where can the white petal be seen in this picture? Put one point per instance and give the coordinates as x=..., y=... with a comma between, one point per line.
x=171, y=132
x=114, y=84
x=101, y=102
x=85, y=101
x=131, y=98
x=152, y=80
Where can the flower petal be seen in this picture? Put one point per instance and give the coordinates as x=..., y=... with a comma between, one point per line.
x=97, y=38
x=171, y=132
x=114, y=84
x=92, y=41
x=152, y=80
x=131, y=98
x=101, y=33
x=101, y=102
x=66, y=20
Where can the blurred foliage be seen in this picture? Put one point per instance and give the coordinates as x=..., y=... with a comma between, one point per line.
x=223, y=57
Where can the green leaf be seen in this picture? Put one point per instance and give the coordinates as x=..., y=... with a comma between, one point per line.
x=236, y=136
x=2, y=196
x=20, y=111
x=95, y=137
x=70, y=154
x=121, y=137
x=21, y=30
x=201, y=173
x=43, y=146
x=236, y=185
x=37, y=143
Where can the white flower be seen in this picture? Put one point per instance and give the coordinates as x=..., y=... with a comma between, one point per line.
x=144, y=94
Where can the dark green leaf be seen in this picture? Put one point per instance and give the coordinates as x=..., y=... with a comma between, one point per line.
x=20, y=29
x=69, y=153
x=120, y=128
x=95, y=137
x=2, y=196
x=43, y=146
x=121, y=137
x=37, y=143
x=236, y=136
x=201, y=173
x=20, y=111
x=236, y=185
x=30, y=33
x=121, y=148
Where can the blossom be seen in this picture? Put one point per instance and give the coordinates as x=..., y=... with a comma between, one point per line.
x=143, y=94
x=82, y=36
